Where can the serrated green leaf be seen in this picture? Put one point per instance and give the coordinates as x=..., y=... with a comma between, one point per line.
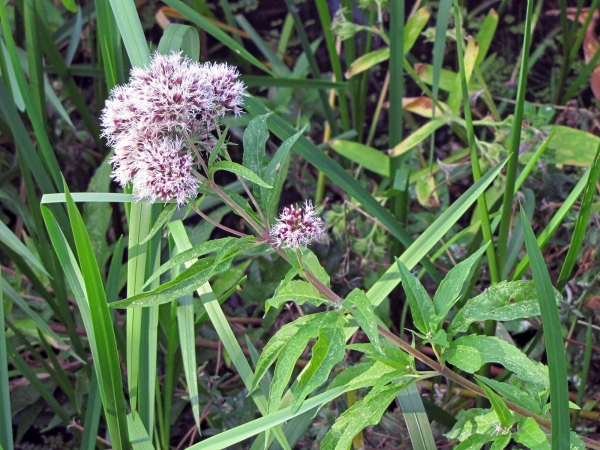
x=473, y=421
x=255, y=139
x=277, y=344
x=194, y=252
x=421, y=306
x=362, y=375
x=474, y=442
x=440, y=338
x=273, y=172
x=501, y=442
x=290, y=354
x=164, y=216
x=507, y=300
x=469, y=353
x=359, y=305
x=505, y=417
x=452, y=285
x=531, y=435
x=299, y=292
x=513, y=394
x=311, y=262
x=326, y=353
x=392, y=356
x=239, y=170
x=362, y=414
x=190, y=279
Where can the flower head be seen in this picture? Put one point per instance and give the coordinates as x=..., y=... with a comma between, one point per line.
x=297, y=227
x=148, y=122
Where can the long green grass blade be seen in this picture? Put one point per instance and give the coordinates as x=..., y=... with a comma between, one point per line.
x=110, y=44
x=92, y=415
x=131, y=31
x=557, y=366
x=182, y=37
x=587, y=359
x=336, y=174
x=581, y=225
x=511, y=171
x=6, y=434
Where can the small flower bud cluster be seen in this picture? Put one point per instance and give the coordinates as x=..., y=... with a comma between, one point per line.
x=146, y=121
x=296, y=228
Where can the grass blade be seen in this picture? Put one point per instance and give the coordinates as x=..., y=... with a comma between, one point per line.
x=92, y=415
x=131, y=31
x=557, y=366
x=6, y=436
x=587, y=358
x=511, y=172
x=581, y=225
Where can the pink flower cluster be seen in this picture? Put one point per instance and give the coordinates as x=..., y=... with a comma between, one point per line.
x=297, y=227
x=146, y=120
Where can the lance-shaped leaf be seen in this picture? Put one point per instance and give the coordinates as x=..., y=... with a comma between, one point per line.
x=359, y=305
x=311, y=262
x=469, y=353
x=290, y=354
x=514, y=394
x=473, y=421
x=326, y=353
x=362, y=414
x=278, y=342
x=392, y=356
x=452, y=285
x=505, y=417
x=507, y=300
x=362, y=375
x=163, y=218
x=299, y=292
x=255, y=139
x=239, y=170
x=421, y=306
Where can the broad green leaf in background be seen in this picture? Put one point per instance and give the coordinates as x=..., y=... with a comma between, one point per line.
x=368, y=157
x=421, y=306
x=299, y=292
x=572, y=146
x=416, y=137
x=362, y=414
x=507, y=300
x=326, y=353
x=473, y=421
x=359, y=305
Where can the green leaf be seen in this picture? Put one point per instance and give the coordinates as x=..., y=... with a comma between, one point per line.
x=469, y=353
x=473, y=421
x=109, y=372
x=507, y=300
x=131, y=31
x=6, y=434
x=70, y=5
x=362, y=414
x=278, y=342
x=531, y=435
x=421, y=306
x=161, y=221
x=326, y=353
x=359, y=305
x=311, y=262
x=361, y=375
x=255, y=139
x=290, y=354
x=192, y=253
x=138, y=435
x=501, y=442
x=273, y=172
x=239, y=170
x=392, y=356
x=8, y=238
x=299, y=292
x=474, y=442
x=183, y=37
x=448, y=293
x=513, y=394
x=504, y=415
x=371, y=159
x=557, y=366
x=416, y=137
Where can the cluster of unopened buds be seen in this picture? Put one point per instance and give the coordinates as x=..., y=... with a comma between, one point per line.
x=152, y=121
